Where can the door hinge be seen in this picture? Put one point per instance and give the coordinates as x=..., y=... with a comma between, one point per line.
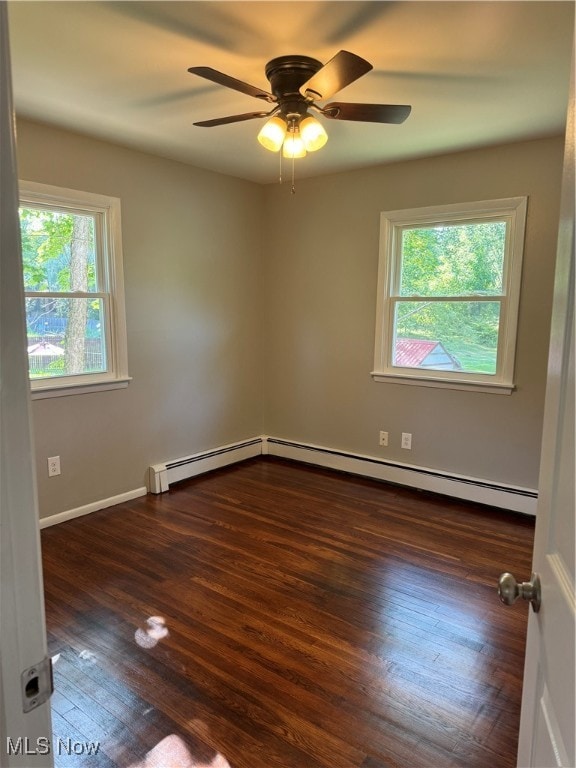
x=37, y=684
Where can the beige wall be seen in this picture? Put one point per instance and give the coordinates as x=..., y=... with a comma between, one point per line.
x=192, y=251
x=321, y=266
x=251, y=311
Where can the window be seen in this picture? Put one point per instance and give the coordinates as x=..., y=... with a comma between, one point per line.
x=448, y=293
x=73, y=284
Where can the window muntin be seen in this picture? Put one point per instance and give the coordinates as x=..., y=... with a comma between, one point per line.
x=72, y=266
x=448, y=292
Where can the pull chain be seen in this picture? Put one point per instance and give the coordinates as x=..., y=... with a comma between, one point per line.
x=293, y=131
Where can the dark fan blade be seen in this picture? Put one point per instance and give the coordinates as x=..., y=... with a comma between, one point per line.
x=232, y=119
x=231, y=82
x=367, y=113
x=339, y=72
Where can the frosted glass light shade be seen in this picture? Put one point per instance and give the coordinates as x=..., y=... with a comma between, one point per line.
x=272, y=134
x=293, y=146
x=313, y=134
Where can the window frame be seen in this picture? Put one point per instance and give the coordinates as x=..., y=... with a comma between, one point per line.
x=392, y=224
x=108, y=242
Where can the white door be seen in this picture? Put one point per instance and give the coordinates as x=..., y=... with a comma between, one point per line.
x=548, y=716
x=25, y=725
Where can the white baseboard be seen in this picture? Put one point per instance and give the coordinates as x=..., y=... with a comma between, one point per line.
x=161, y=475
x=509, y=497
x=70, y=514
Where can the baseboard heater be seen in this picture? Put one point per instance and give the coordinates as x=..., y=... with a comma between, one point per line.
x=161, y=475
x=509, y=497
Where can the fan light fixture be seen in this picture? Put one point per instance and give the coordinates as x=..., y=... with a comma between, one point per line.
x=293, y=146
x=313, y=134
x=272, y=134
x=294, y=138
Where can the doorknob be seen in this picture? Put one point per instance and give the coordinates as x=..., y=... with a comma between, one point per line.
x=509, y=590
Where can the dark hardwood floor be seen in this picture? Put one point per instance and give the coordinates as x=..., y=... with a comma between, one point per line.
x=274, y=615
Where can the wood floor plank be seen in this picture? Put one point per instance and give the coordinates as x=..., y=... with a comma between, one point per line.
x=284, y=616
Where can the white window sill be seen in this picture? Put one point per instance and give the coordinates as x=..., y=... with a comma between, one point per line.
x=443, y=383
x=63, y=390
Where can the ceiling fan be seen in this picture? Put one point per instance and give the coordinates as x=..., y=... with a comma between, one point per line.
x=298, y=83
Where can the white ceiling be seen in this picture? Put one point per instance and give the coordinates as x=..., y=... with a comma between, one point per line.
x=475, y=73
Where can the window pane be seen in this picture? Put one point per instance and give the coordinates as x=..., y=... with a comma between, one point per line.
x=58, y=251
x=453, y=260
x=447, y=335
x=65, y=336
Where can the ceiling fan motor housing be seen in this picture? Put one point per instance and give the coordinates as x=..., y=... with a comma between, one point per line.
x=287, y=74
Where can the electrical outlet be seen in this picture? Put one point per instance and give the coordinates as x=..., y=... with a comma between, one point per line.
x=53, y=466
x=383, y=438
x=407, y=440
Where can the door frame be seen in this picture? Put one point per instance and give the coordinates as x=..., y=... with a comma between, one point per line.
x=25, y=736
